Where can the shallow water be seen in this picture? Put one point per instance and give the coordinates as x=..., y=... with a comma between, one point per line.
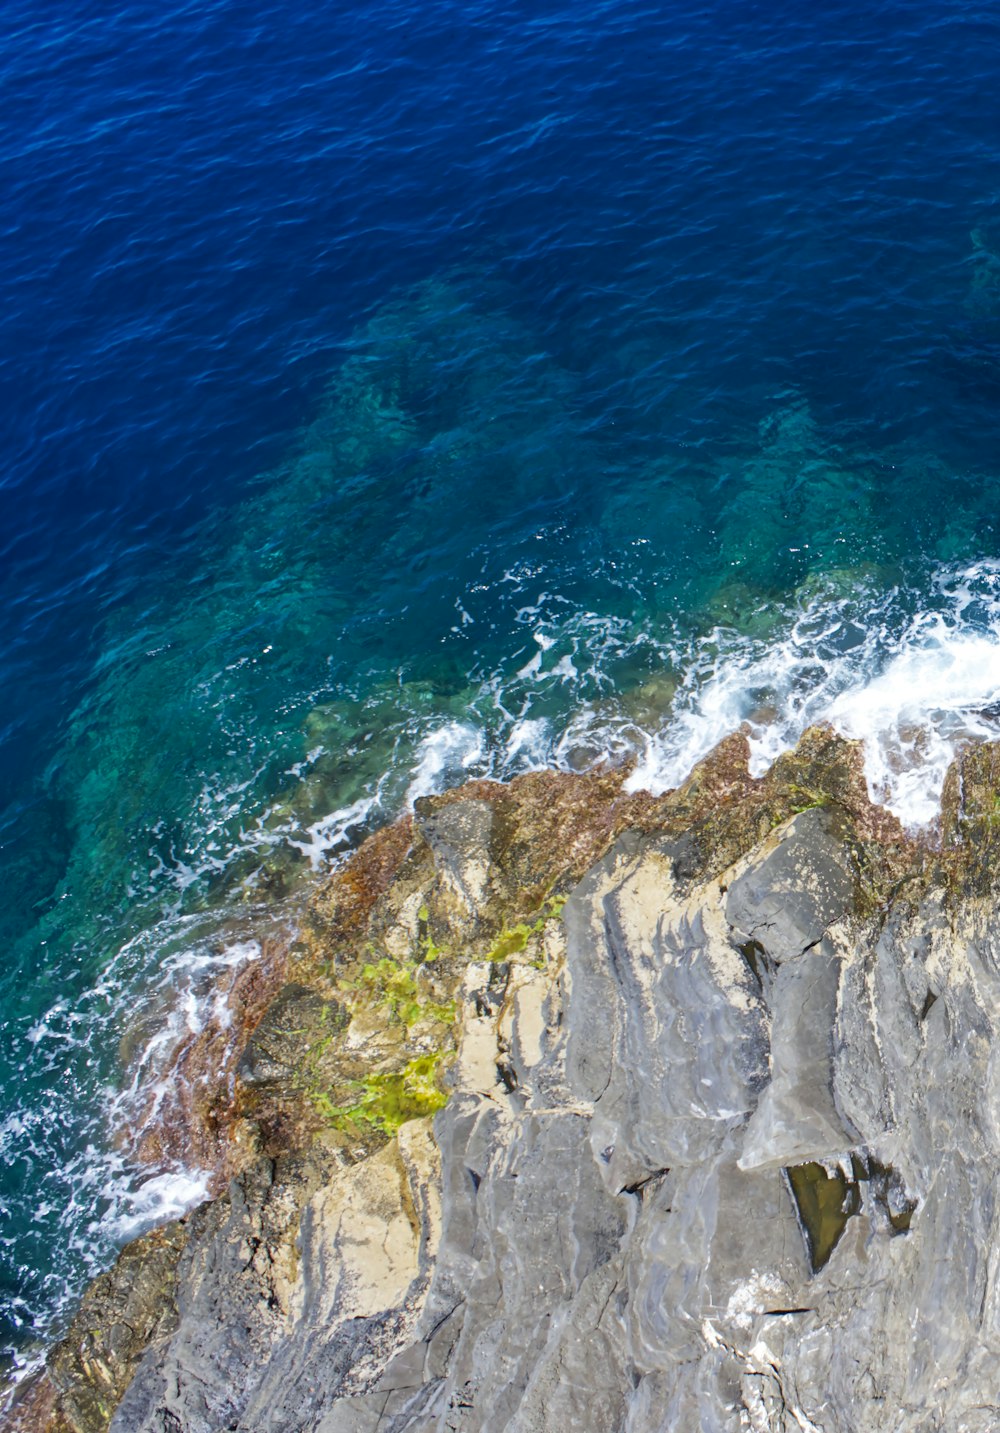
x=418, y=393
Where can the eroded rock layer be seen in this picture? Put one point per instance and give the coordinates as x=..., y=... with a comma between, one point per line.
x=590, y=1112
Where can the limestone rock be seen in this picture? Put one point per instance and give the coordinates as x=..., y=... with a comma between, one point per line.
x=719, y=1150
x=796, y=1120
x=794, y=889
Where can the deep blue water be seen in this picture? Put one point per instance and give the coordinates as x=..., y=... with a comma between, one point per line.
x=398, y=392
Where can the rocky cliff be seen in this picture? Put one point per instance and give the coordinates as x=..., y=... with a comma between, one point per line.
x=585, y=1111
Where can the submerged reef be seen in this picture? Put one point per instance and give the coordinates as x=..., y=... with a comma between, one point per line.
x=586, y=1110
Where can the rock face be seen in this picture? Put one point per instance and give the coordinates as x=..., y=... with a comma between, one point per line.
x=603, y=1113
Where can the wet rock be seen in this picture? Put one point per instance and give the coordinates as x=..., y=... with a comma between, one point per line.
x=125, y=1311
x=459, y=837
x=291, y=1024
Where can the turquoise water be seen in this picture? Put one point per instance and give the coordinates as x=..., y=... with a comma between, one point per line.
x=403, y=397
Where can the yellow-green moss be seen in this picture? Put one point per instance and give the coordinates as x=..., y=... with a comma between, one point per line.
x=429, y=952
x=804, y=798
x=392, y=985
x=389, y=1100
x=513, y=939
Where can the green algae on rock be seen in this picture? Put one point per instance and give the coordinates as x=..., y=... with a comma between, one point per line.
x=390, y=1100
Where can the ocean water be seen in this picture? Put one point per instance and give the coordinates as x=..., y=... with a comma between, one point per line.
x=400, y=393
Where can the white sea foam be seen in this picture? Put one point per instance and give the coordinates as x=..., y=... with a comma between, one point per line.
x=916, y=714
x=98, y=1195
x=162, y=1197
x=332, y=832
x=914, y=686
x=191, y=993
x=529, y=745
x=445, y=756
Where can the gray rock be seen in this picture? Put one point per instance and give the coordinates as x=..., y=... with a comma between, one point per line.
x=796, y=1119
x=717, y=1190
x=794, y=889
